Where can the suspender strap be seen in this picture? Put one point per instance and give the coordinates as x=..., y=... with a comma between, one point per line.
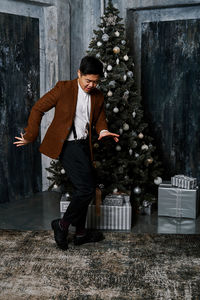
x=74, y=131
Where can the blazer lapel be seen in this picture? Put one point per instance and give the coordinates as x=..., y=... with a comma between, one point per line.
x=75, y=96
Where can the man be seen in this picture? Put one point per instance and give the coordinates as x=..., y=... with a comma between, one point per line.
x=79, y=106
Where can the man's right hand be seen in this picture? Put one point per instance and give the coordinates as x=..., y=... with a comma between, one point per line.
x=21, y=141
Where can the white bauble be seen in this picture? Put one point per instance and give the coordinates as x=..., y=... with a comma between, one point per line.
x=115, y=190
x=144, y=147
x=116, y=49
x=62, y=171
x=117, y=61
x=118, y=148
x=158, y=180
x=98, y=55
x=130, y=151
x=130, y=74
x=123, y=42
x=116, y=110
x=117, y=33
x=105, y=74
x=137, y=190
x=134, y=114
x=125, y=77
x=140, y=135
x=109, y=94
x=137, y=155
x=112, y=83
x=105, y=37
x=109, y=67
x=99, y=44
x=120, y=130
x=55, y=186
x=126, y=58
x=126, y=126
x=107, y=105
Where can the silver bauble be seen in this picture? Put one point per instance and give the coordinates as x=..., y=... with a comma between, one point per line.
x=116, y=110
x=137, y=190
x=105, y=37
x=118, y=148
x=99, y=44
x=123, y=42
x=130, y=74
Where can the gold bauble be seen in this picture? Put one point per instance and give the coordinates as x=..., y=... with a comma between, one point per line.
x=116, y=50
x=141, y=135
x=150, y=160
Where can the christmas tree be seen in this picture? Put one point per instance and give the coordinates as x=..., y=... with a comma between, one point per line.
x=131, y=164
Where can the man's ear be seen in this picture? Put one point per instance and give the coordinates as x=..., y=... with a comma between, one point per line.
x=79, y=73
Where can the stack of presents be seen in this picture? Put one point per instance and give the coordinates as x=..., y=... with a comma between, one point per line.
x=178, y=199
x=114, y=213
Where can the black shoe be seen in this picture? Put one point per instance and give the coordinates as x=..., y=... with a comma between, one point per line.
x=59, y=235
x=89, y=237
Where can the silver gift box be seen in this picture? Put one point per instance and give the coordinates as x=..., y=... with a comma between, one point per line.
x=177, y=202
x=114, y=200
x=111, y=217
x=171, y=225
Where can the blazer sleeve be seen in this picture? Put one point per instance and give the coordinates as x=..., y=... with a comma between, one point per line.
x=101, y=122
x=45, y=103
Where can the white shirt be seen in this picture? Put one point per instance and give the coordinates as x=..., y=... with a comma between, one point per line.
x=82, y=115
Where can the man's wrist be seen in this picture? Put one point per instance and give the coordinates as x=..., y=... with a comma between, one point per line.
x=103, y=130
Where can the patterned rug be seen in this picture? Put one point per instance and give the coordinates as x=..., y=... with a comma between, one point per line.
x=123, y=266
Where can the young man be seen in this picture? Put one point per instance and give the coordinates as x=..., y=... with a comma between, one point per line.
x=79, y=106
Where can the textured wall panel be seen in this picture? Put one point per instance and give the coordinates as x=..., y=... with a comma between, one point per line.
x=171, y=91
x=20, y=168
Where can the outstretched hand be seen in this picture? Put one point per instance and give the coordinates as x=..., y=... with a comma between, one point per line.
x=109, y=134
x=21, y=141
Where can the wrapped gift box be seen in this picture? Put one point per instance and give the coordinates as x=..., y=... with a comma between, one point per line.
x=184, y=182
x=171, y=225
x=177, y=202
x=111, y=217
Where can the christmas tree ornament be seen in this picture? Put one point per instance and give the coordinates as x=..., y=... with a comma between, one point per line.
x=137, y=190
x=116, y=49
x=112, y=83
x=117, y=61
x=105, y=37
x=111, y=19
x=123, y=42
x=99, y=44
x=118, y=148
x=125, y=126
x=134, y=114
x=116, y=109
x=126, y=95
x=109, y=67
x=62, y=171
x=96, y=145
x=158, y=180
x=126, y=58
x=98, y=55
x=134, y=134
x=130, y=151
x=144, y=147
x=107, y=105
x=117, y=33
x=137, y=155
x=120, y=130
x=150, y=160
x=140, y=135
x=115, y=190
x=105, y=74
x=109, y=94
x=125, y=77
x=130, y=74
x=55, y=186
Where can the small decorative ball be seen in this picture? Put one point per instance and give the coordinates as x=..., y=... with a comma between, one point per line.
x=125, y=77
x=105, y=37
x=115, y=190
x=126, y=126
x=134, y=114
x=117, y=61
x=144, y=147
x=134, y=133
x=120, y=130
x=117, y=33
x=107, y=105
x=140, y=135
x=158, y=180
x=67, y=195
x=137, y=155
x=126, y=58
x=98, y=55
x=112, y=83
x=109, y=94
x=105, y=74
x=137, y=190
x=118, y=148
x=123, y=42
x=130, y=151
x=116, y=109
x=55, y=186
x=99, y=44
x=130, y=74
x=116, y=49
x=150, y=160
x=62, y=171
x=96, y=145
x=109, y=67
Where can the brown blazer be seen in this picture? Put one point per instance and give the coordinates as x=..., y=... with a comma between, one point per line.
x=64, y=98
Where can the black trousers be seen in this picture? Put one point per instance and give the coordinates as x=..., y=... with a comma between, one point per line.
x=75, y=158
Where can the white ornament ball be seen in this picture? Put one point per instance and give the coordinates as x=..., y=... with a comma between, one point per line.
x=134, y=114
x=130, y=151
x=116, y=110
x=105, y=74
x=123, y=42
x=126, y=58
x=115, y=190
x=120, y=130
x=158, y=180
x=126, y=126
x=117, y=33
x=140, y=135
x=98, y=55
x=137, y=155
x=116, y=49
x=109, y=94
x=137, y=190
x=107, y=105
x=125, y=77
x=118, y=148
x=55, y=186
x=144, y=147
x=130, y=74
x=117, y=61
x=105, y=37
x=109, y=67
x=112, y=83
x=62, y=171
x=99, y=44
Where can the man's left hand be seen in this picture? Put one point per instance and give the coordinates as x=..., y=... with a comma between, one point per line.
x=109, y=134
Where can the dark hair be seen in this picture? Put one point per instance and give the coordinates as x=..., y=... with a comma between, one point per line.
x=91, y=65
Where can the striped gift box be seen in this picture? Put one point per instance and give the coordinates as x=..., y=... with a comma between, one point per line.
x=111, y=217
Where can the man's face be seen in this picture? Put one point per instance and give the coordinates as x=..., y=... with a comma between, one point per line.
x=88, y=82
